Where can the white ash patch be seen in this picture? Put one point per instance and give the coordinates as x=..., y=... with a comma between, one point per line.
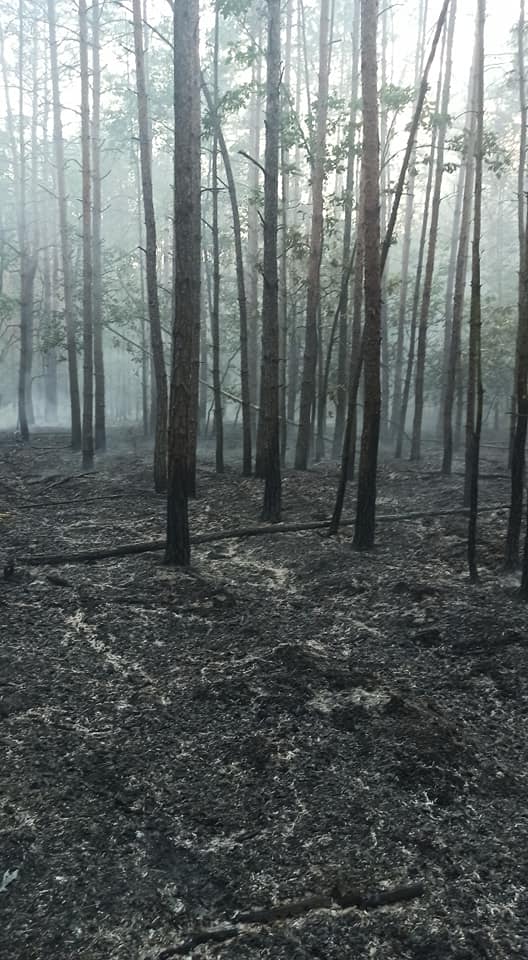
x=325, y=702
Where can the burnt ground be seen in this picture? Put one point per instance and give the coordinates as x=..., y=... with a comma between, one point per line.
x=176, y=747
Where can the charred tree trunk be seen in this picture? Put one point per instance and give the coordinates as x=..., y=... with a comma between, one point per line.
x=100, y=419
x=304, y=434
x=407, y=238
x=58, y=143
x=520, y=407
x=454, y=367
x=241, y=292
x=186, y=278
x=431, y=251
x=406, y=392
x=215, y=313
x=160, y=444
x=475, y=390
x=87, y=266
x=269, y=395
x=370, y=167
x=342, y=356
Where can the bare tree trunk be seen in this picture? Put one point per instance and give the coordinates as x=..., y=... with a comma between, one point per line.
x=431, y=251
x=520, y=408
x=28, y=263
x=475, y=391
x=186, y=277
x=100, y=419
x=302, y=450
x=402, y=417
x=283, y=280
x=342, y=356
x=87, y=268
x=269, y=394
x=241, y=292
x=58, y=142
x=215, y=313
x=253, y=221
x=454, y=367
x=160, y=445
x=370, y=168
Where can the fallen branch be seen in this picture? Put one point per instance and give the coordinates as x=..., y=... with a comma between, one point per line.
x=236, y=533
x=335, y=899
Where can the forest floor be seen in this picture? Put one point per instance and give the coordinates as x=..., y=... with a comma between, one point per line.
x=286, y=718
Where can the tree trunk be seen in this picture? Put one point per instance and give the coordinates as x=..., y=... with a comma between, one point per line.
x=454, y=370
x=431, y=250
x=87, y=268
x=58, y=142
x=254, y=222
x=402, y=417
x=342, y=356
x=186, y=278
x=269, y=394
x=475, y=391
x=520, y=407
x=284, y=271
x=241, y=292
x=407, y=237
x=302, y=451
x=160, y=443
x=215, y=313
x=370, y=168
x=100, y=420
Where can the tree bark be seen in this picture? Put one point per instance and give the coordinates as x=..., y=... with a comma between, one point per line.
x=186, y=317
x=145, y=146
x=269, y=396
x=307, y=401
x=475, y=390
x=87, y=266
x=342, y=356
x=454, y=372
x=100, y=418
x=431, y=250
x=520, y=407
x=215, y=312
x=370, y=168
x=58, y=143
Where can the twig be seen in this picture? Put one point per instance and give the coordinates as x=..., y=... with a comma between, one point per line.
x=335, y=899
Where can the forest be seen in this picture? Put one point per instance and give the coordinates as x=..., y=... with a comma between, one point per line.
x=263, y=511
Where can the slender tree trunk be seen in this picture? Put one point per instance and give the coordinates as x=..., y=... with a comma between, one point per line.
x=100, y=420
x=475, y=390
x=28, y=264
x=241, y=292
x=402, y=418
x=160, y=444
x=342, y=356
x=520, y=407
x=186, y=278
x=269, y=394
x=215, y=313
x=302, y=451
x=253, y=222
x=370, y=168
x=431, y=250
x=58, y=142
x=407, y=238
x=283, y=280
x=454, y=367
x=87, y=266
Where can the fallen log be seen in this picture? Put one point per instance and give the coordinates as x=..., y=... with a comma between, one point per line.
x=236, y=533
x=338, y=898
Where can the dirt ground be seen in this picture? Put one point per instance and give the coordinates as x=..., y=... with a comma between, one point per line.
x=179, y=748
